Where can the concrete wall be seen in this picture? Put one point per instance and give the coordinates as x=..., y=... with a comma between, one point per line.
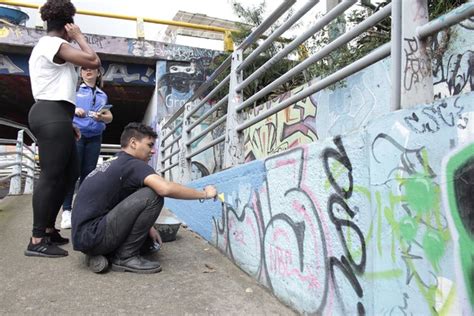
x=376, y=221
x=356, y=223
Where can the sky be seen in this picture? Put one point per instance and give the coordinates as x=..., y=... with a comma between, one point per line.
x=158, y=9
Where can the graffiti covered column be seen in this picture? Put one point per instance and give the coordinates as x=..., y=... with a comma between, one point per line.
x=234, y=142
x=417, y=80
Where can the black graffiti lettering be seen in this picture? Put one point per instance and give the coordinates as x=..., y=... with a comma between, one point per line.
x=425, y=123
x=347, y=266
x=344, y=266
x=341, y=157
x=339, y=223
x=95, y=40
x=298, y=229
x=431, y=117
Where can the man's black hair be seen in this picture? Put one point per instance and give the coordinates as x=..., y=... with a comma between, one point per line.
x=57, y=13
x=136, y=130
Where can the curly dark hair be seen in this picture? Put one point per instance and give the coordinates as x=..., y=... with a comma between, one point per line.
x=57, y=13
x=136, y=130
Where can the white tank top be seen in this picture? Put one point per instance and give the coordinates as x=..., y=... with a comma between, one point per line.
x=49, y=80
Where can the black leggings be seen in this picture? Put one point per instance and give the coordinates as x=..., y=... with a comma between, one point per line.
x=51, y=123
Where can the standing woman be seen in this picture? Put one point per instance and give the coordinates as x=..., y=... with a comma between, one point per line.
x=53, y=83
x=90, y=117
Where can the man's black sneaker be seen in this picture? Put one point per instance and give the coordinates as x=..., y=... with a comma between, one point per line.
x=97, y=264
x=136, y=264
x=56, y=238
x=45, y=249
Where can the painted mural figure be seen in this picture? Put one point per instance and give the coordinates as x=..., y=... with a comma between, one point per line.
x=118, y=204
x=53, y=82
x=90, y=116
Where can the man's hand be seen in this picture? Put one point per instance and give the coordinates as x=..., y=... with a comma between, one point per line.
x=80, y=112
x=211, y=192
x=77, y=132
x=155, y=236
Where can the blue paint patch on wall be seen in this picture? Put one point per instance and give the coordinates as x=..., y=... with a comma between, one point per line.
x=199, y=216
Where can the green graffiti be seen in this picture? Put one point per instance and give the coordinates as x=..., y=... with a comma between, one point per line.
x=384, y=275
x=420, y=193
x=408, y=228
x=459, y=175
x=434, y=247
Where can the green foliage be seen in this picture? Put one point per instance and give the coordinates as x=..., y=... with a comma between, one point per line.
x=437, y=8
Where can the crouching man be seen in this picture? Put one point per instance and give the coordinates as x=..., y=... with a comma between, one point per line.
x=118, y=203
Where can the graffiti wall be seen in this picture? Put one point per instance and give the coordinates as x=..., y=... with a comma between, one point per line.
x=356, y=224
x=453, y=60
x=22, y=36
x=176, y=83
x=120, y=73
x=332, y=111
x=361, y=97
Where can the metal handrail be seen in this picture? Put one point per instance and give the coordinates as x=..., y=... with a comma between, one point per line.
x=8, y=141
x=210, y=95
x=320, y=24
x=208, y=113
x=326, y=50
x=280, y=30
x=455, y=16
x=168, y=168
x=237, y=122
x=275, y=15
x=16, y=125
x=178, y=125
x=207, y=130
x=9, y=176
x=376, y=55
x=110, y=148
x=202, y=88
x=171, y=155
x=175, y=140
x=209, y=145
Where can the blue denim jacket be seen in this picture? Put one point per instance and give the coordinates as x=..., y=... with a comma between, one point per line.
x=89, y=100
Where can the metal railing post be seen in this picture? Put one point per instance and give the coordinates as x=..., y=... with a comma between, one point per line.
x=396, y=55
x=160, y=162
x=234, y=140
x=185, y=164
x=15, y=182
x=417, y=78
x=30, y=172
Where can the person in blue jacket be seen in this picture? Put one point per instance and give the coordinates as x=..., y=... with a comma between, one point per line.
x=91, y=114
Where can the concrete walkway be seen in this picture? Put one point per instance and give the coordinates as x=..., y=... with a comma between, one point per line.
x=196, y=279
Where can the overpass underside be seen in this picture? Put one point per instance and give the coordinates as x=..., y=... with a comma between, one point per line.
x=129, y=67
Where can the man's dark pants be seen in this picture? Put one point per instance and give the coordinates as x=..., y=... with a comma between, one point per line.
x=128, y=224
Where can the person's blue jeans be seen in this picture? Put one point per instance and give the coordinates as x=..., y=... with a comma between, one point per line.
x=88, y=151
